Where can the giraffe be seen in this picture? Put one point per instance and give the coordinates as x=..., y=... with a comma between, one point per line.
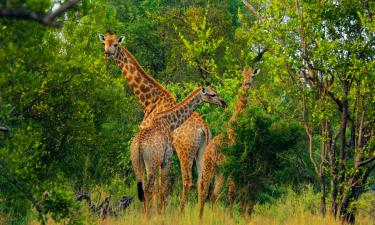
x=212, y=156
x=152, y=149
x=190, y=139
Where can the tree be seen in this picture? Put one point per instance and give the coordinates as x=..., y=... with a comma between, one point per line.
x=323, y=53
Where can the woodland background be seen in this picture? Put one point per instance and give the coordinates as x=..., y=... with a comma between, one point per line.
x=67, y=116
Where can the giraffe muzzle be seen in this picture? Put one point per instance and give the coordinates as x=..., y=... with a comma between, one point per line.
x=222, y=102
x=107, y=55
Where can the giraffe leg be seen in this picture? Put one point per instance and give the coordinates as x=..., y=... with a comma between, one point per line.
x=199, y=146
x=187, y=140
x=151, y=176
x=219, y=182
x=164, y=176
x=203, y=187
x=231, y=192
x=202, y=193
x=208, y=169
x=185, y=173
x=155, y=192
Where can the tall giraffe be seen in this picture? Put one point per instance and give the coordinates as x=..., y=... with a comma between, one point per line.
x=212, y=156
x=190, y=139
x=152, y=149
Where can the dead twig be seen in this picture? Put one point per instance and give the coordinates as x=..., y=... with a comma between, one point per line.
x=42, y=18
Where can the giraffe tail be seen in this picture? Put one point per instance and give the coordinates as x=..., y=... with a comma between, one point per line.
x=202, y=148
x=138, y=164
x=141, y=194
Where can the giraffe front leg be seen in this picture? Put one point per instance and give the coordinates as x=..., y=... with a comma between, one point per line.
x=231, y=192
x=208, y=169
x=164, y=176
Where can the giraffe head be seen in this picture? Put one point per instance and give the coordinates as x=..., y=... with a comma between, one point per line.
x=111, y=43
x=208, y=94
x=248, y=74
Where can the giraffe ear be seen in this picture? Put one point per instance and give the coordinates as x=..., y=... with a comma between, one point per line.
x=256, y=71
x=203, y=90
x=120, y=39
x=101, y=38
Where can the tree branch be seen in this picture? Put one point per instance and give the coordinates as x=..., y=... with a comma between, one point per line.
x=366, y=161
x=42, y=18
x=309, y=135
x=337, y=101
x=252, y=9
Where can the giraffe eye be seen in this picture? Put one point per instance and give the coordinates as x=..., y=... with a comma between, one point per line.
x=115, y=45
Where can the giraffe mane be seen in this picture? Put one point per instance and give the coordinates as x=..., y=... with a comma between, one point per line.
x=190, y=96
x=148, y=77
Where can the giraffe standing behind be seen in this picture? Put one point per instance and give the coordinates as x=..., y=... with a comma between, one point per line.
x=190, y=139
x=212, y=156
x=151, y=149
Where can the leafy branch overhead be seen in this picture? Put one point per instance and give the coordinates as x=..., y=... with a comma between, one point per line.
x=200, y=51
x=48, y=19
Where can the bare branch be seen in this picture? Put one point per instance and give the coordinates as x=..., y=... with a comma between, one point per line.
x=252, y=9
x=337, y=101
x=309, y=134
x=367, y=161
x=42, y=18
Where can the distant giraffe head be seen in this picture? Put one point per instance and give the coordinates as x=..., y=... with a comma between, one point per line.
x=249, y=74
x=111, y=43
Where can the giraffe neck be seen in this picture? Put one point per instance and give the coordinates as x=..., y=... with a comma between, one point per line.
x=240, y=106
x=179, y=113
x=241, y=102
x=147, y=90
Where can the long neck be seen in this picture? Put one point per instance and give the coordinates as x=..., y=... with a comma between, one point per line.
x=240, y=106
x=241, y=102
x=146, y=89
x=179, y=113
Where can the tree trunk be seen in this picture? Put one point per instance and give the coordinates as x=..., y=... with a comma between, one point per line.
x=323, y=198
x=351, y=194
x=344, y=115
x=333, y=171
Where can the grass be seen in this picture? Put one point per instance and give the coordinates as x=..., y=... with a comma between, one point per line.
x=292, y=209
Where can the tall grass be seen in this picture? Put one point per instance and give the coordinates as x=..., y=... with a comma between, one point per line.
x=291, y=209
x=302, y=209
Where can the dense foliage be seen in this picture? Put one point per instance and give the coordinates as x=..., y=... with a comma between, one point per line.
x=71, y=116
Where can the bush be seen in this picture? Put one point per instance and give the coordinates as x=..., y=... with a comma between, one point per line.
x=262, y=156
